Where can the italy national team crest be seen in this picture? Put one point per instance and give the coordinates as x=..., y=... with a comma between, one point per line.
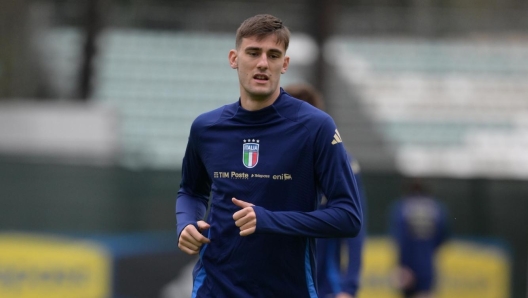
x=250, y=154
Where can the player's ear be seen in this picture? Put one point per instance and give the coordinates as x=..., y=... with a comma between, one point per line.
x=285, y=64
x=233, y=59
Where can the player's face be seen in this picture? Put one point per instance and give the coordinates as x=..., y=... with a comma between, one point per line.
x=260, y=64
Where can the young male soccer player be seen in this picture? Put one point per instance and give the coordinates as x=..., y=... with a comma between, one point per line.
x=333, y=281
x=266, y=159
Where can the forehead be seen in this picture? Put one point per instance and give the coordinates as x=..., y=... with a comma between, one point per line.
x=269, y=42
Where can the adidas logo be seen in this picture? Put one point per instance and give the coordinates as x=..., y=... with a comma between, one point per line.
x=337, y=138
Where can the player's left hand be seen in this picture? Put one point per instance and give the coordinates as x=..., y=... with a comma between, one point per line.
x=344, y=295
x=245, y=219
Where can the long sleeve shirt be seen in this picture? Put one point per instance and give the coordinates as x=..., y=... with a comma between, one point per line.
x=418, y=227
x=281, y=158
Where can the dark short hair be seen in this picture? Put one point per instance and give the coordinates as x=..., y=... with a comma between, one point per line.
x=261, y=26
x=306, y=93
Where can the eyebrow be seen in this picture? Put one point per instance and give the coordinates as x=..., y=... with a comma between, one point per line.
x=260, y=49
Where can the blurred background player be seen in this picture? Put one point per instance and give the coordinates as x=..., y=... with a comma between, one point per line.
x=418, y=225
x=338, y=259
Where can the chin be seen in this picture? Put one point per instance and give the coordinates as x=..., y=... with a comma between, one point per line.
x=260, y=93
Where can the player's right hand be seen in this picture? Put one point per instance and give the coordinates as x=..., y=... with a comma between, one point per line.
x=191, y=239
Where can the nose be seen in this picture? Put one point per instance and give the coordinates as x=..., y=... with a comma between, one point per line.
x=263, y=61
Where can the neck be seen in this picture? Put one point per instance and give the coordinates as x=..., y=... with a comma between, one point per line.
x=252, y=103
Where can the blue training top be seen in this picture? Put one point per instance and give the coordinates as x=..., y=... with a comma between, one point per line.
x=419, y=226
x=281, y=158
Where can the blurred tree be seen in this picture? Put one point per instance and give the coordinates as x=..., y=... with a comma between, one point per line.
x=93, y=23
x=20, y=73
x=323, y=12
